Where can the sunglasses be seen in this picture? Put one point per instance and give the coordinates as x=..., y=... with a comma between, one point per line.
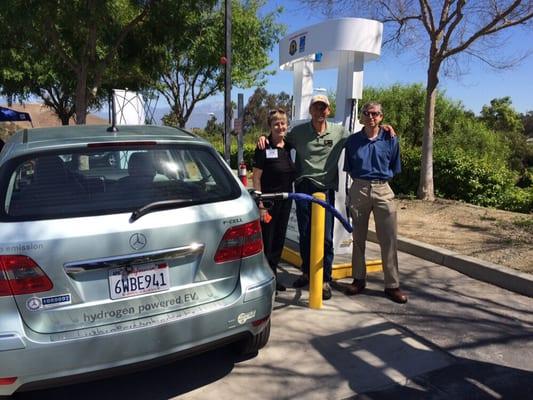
x=276, y=110
x=372, y=114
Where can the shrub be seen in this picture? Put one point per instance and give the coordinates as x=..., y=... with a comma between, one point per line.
x=407, y=181
x=461, y=176
x=248, y=153
x=526, y=179
x=475, y=139
x=518, y=200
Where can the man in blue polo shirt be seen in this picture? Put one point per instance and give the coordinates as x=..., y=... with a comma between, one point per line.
x=372, y=158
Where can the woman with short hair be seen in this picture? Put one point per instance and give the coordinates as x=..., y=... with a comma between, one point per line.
x=274, y=172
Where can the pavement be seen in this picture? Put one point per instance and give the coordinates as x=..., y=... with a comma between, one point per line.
x=456, y=338
x=485, y=271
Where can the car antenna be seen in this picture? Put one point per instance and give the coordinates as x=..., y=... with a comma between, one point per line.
x=113, y=117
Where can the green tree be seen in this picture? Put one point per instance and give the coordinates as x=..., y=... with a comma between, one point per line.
x=189, y=65
x=78, y=41
x=527, y=121
x=27, y=71
x=332, y=102
x=258, y=106
x=214, y=128
x=501, y=117
x=50, y=80
x=13, y=64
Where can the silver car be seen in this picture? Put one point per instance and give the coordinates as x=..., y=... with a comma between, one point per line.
x=121, y=248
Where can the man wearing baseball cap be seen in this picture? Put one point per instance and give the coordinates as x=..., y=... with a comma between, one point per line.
x=318, y=147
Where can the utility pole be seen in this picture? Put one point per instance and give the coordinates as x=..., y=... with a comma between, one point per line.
x=226, y=60
x=239, y=125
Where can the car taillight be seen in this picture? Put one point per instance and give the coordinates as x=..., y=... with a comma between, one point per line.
x=21, y=275
x=240, y=241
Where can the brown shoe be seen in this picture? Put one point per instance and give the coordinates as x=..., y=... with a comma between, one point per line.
x=396, y=295
x=356, y=287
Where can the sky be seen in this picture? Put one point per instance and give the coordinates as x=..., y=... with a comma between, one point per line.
x=475, y=89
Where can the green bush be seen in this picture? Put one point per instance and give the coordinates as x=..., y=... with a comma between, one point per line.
x=461, y=176
x=473, y=138
x=518, y=200
x=526, y=179
x=248, y=153
x=407, y=181
x=249, y=139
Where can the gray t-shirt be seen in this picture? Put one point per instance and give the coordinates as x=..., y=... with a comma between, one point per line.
x=317, y=156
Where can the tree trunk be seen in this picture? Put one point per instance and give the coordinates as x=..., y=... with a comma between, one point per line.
x=80, y=103
x=178, y=114
x=425, y=186
x=65, y=118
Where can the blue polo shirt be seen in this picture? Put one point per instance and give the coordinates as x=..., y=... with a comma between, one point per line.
x=372, y=159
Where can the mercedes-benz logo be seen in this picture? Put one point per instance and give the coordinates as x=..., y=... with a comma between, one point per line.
x=33, y=303
x=137, y=241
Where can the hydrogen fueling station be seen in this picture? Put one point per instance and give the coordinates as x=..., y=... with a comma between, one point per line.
x=344, y=44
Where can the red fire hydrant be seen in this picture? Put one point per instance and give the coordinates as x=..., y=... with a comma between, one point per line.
x=243, y=174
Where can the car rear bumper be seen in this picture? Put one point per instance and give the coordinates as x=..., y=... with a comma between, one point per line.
x=109, y=347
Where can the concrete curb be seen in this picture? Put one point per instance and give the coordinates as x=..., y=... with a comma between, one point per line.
x=485, y=271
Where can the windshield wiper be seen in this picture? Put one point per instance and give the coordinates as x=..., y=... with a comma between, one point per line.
x=158, y=205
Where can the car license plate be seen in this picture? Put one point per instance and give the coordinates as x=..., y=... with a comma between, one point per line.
x=138, y=279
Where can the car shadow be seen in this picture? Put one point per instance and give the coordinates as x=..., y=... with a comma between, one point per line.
x=162, y=382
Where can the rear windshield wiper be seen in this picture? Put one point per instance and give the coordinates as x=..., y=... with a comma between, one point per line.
x=158, y=205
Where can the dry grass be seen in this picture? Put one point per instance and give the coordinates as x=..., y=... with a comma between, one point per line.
x=501, y=237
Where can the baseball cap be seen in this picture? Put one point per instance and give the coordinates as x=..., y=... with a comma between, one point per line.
x=319, y=98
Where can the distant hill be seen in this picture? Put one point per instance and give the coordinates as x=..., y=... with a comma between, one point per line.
x=199, y=117
x=41, y=117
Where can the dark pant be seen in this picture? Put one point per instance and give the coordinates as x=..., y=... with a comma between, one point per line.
x=274, y=231
x=303, y=213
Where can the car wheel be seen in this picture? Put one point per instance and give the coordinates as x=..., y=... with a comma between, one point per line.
x=252, y=344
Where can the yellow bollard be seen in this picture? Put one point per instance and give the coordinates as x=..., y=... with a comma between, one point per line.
x=316, y=256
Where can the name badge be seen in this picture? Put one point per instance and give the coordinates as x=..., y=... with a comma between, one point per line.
x=271, y=153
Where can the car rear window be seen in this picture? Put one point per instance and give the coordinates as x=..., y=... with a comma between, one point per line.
x=105, y=180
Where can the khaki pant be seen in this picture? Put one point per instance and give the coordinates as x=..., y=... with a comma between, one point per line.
x=376, y=197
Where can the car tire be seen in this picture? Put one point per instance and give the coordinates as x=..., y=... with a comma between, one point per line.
x=252, y=344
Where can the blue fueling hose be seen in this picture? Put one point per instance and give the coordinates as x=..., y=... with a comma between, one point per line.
x=303, y=197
